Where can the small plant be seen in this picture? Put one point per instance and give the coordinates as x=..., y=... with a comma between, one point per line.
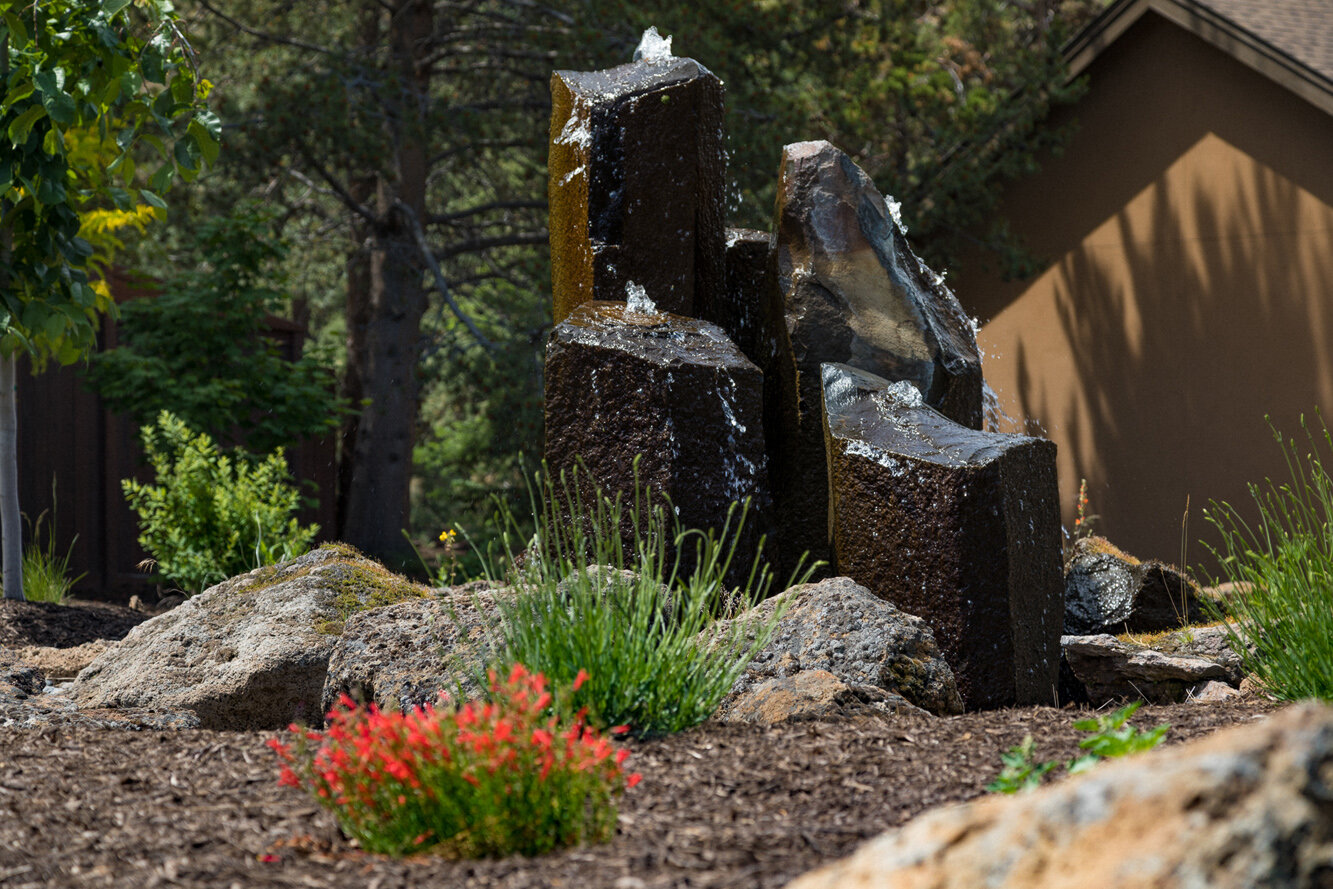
x=212, y=514
x=1083, y=521
x=1112, y=738
x=1282, y=622
x=486, y=780
x=45, y=570
x=602, y=587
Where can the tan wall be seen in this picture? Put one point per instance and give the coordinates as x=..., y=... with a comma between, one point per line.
x=1191, y=227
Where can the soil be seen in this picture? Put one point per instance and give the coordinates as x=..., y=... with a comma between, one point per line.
x=720, y=805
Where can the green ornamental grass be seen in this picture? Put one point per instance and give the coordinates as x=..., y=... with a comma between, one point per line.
x=612, y=593
x=1281, y=621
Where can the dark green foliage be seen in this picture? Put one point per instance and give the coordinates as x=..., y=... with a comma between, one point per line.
x=200, y=349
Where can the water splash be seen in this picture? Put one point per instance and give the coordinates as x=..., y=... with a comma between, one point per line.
x=653, y=48
x=637, y=301
x=896, y=211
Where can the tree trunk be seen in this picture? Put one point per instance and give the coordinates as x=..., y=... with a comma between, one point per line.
x=384, y=340
x=11, y=531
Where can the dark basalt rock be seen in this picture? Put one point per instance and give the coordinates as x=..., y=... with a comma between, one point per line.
x=747, y=310
x=1109, y=591
x=621, y=383
x=637, y=185
x=855, y=293
x=957, y=526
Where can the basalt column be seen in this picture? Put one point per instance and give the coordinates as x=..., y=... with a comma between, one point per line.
x=854, y=292
x=622, y=383
x=637, y=185
x=956, y=526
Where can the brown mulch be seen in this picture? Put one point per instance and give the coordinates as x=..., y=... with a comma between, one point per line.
x=721, y=805
x=63, y=626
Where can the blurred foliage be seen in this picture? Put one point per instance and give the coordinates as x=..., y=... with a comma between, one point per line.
x=941, y=102
x=202, y=348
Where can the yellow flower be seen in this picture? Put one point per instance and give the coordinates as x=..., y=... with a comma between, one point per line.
x=447, y=537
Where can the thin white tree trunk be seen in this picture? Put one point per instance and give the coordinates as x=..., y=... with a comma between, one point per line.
x=11, y=532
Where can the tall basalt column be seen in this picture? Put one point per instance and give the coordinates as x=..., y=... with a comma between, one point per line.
x=854, y=292
x=956, y=526
x=637, y=185
x=622, y=383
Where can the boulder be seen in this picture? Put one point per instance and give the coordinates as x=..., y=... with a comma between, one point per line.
x=637, y=184
x=854, y=292
x=623, y=381
x=405, y=655
x=747, y=311
x=838, y=627
x=1249, y=806
x=1109, y=669
x=810, y=694
x=957, y=526
x=1110, y=591
x=250, y=653
x=28, y=700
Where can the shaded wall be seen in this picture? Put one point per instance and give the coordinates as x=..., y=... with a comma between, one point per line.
x=1190, y=229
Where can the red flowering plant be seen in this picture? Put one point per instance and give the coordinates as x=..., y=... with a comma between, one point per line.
x=484, y=780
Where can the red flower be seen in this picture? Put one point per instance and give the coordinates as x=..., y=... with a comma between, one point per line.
x=581, y=678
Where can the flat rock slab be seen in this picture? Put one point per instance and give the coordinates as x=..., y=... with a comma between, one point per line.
x=1249, y=806
x=29, y=701
x=621, y=383
x=853, y=292
x=840, y=628
x=1110, y=669
x=250, y=653
x=957, y=526
x=637, y=185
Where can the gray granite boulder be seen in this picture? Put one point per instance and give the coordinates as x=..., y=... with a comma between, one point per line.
x=250, y=653
x=840, y=627
x=1249, y=806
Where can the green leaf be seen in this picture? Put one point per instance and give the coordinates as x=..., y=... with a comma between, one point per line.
x=22, y=125
x=111, y=7
x=54, y=328
x=207, y=141
x=18, y=93
x=151, y=199
x=161, y=180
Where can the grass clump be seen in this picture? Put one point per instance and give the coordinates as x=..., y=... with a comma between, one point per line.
x=616, y=592
x=1282, y=621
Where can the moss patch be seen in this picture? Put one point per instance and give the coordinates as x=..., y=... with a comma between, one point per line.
x=364, y=587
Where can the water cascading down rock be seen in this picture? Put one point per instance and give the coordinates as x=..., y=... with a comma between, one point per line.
x=636, y=184
x=854, y=293
x=956, y=526
x=625, y=380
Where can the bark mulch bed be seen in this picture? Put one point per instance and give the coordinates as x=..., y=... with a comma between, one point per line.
x=721, y=805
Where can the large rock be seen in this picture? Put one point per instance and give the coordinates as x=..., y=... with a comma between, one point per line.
x=249, y=653
x=1168, y=670
x=1110, y=591
x=855, y=293
x=957, y=526
x=1250, y=806
x=637, y=184
x=621, y=383
x=810, y=694
x=837, y=626
x=403, y=656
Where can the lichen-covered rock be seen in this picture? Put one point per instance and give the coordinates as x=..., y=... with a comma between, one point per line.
x=637, y=184
x=1249, y=806
x=810, y=694
x=854, y=293
x=621, y=383
x=405, y=655
x=957, y=526
x=249, y=653
x=840, y=627
x=1110, y=669
x=1109, y=591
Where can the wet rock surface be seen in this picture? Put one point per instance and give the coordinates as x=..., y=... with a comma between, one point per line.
x=957, y=526
x=1246, y=807
x=1109, y=591
x=249, y=653
x=637, y=184
x=839, y=627
x=1167, y=670
x=854, y=293
x=621, y=383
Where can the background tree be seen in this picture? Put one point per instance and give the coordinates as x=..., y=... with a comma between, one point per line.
x=125, y=72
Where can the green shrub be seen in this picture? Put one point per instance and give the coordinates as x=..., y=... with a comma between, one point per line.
x=1283, y=618
x=638, y=633
x=211, y=514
